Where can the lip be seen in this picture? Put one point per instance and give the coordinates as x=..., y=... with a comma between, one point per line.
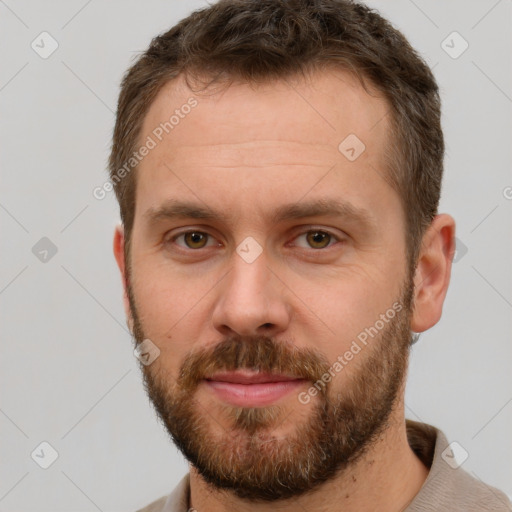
x=245, y=377
x=245, y=389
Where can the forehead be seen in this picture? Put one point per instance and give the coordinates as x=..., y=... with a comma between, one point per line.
x=285, y=134
x=321, y=109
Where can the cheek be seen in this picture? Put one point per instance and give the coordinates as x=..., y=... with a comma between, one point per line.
x=170, y=303
x=341, y=305
x=161, y=304
x=168, y=318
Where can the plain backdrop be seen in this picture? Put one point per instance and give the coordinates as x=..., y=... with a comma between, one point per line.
x=68, y=374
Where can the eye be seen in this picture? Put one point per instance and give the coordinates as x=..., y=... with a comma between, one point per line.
x=193, y=239
x=317, y=239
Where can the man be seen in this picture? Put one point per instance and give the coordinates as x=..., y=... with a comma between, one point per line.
x=278, y=166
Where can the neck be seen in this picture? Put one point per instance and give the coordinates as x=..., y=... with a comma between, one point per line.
x=386, y=478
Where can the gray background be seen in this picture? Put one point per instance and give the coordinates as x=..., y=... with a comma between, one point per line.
x=68, y=374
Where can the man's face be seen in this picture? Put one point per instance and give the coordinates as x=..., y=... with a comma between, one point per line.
x=310, y=295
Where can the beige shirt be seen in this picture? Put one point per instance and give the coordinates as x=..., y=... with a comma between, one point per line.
x=448, y=487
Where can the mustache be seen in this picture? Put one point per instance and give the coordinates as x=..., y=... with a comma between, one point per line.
x=255, y=353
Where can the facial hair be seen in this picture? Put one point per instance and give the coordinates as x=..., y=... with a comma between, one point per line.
x=248, y=459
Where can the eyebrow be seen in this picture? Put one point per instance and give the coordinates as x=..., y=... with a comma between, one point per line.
x=180, y=209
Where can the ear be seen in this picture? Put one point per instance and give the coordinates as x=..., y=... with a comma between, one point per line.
x=121, y=263
x=433, y=272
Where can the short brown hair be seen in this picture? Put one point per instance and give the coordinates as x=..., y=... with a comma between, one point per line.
x=261, y=40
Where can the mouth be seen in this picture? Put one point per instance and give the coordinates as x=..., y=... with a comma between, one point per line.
x=245, y=377
x=252, y=389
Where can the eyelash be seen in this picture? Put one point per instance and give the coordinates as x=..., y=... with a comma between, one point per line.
x=311, y=230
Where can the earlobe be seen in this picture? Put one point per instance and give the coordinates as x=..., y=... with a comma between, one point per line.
x=433, y=271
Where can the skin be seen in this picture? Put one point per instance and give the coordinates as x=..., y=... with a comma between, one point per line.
x=244, y=152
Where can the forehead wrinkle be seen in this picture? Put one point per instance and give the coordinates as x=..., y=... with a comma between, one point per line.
x=254, y=154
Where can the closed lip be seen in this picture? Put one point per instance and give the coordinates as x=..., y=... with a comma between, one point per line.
x=251, y=378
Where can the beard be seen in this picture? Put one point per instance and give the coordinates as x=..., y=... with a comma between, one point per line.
x=334, y=430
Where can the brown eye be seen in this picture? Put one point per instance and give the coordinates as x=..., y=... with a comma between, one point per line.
x=318, y=239
x=195, y=239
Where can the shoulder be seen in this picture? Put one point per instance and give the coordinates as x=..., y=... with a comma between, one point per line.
x=459, y=492
x=448, y=486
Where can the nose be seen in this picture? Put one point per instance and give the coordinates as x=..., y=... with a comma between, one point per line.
x=251, y=300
